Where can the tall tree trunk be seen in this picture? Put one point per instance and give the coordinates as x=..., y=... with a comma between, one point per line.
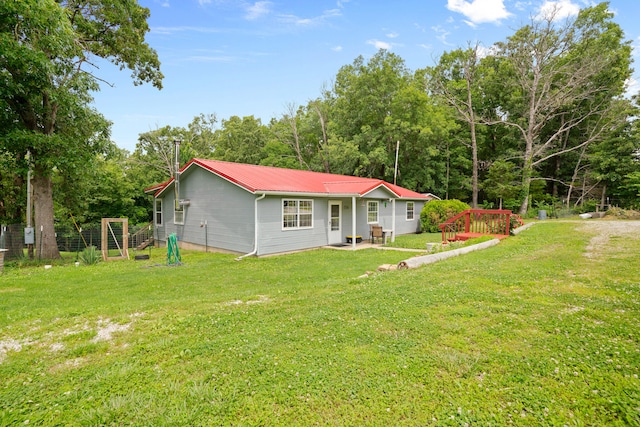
x=603, y=198
x=324, y=142
x=574, y=177
x=556, y=174
x=472, y=124
x=527, y=173
x=46, y=245
x=526, y=187
x=474, y=178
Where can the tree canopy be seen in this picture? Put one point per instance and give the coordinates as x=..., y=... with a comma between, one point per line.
x=46, y=80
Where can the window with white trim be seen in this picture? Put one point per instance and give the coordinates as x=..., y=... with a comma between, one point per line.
x=178, y=216
x=178, y=213
x=410, y=211
x=157, y=212
x=372, y=212
x=297, y=214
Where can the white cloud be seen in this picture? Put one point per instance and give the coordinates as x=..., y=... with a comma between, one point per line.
x=392, y=35
x=522, y=5
x=380, y=44
x=441, y=34
x=479, y=11
x=632, y=87
x=185, y=29
x=337, y=48
x=558, y=10
x=257, y=10
x=296, y=20
x=483, y=52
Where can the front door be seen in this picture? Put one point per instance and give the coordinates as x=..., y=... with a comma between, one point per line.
x=335, y=222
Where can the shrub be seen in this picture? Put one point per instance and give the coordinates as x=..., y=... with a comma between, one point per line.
x=436, y=212
x=620, y=213
x=90, y=256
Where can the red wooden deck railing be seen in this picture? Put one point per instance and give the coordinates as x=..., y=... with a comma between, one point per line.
x=478, y=222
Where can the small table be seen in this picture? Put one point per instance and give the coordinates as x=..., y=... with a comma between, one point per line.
x=386, y=233
x=350, y=238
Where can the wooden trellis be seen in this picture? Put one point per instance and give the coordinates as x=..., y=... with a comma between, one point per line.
x=122, y=245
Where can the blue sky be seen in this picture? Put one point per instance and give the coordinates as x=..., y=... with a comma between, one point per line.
x=242, y=58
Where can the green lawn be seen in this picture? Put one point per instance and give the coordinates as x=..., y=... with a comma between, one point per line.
x=529, y=332
x=415, y=241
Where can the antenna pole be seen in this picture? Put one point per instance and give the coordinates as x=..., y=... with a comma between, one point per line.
x=395, y=170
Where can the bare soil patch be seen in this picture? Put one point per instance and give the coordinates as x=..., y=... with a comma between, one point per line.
x=603, y=232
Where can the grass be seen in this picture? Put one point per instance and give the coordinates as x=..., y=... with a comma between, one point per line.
x=415, y=241
x=529, y=332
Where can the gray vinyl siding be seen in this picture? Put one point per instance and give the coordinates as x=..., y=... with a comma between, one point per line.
x=159, y=232
x=227, y=209
x=275, y=239
x=402, y=225
x=379, y=194
x=385, y=217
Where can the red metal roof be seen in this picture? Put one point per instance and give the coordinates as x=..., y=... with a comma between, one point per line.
x=258, y=179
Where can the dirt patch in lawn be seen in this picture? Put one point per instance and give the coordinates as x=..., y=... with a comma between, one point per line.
x=8, y=345
x=604, y=231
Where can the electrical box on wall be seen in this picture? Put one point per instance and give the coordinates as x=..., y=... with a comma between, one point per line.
x=29, y=236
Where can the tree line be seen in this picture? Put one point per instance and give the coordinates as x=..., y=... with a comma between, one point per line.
x=537, y=119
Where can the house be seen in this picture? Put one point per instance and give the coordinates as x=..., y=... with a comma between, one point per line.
x=260, y=210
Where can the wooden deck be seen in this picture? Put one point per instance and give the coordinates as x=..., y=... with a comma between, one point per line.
x=473, y=223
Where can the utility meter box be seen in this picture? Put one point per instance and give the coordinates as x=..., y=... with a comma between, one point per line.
x=29, y=236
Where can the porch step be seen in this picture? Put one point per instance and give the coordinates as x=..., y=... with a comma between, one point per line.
x=144, y=244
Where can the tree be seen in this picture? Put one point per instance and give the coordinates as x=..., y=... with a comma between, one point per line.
x=455, y=79
x=364, y=95
x=563, y=74
x=375, y=105
x=46, y=79
x=612, y=160
x=241, y=140
x=155, y=149
x=501, y=182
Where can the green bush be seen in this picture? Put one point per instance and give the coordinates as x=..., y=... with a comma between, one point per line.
x=436, y=212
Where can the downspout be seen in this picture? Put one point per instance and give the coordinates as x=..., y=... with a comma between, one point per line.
x=255, y=222
x=393, y=220
x=353, y=223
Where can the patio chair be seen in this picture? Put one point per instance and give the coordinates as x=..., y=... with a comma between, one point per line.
x=376, y=233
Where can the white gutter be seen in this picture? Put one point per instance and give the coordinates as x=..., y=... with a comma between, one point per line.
x=255, y=222
x=393, y=219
